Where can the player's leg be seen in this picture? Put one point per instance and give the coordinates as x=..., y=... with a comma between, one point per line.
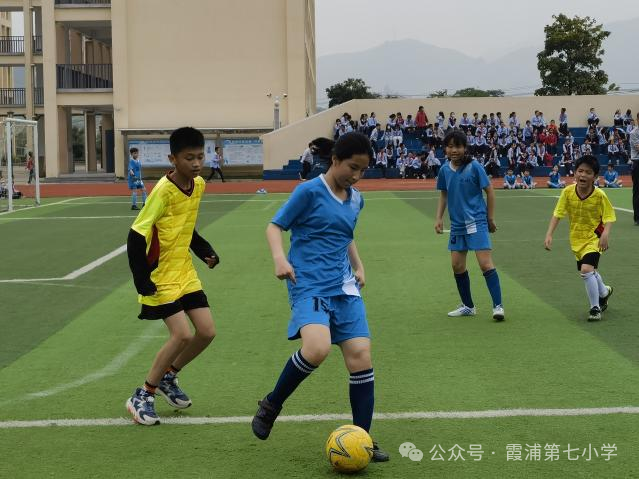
x=310, y=322
x=134, y=198
x=587, y=269
x=142, y=403
x=219, y=170
x=485, y=261
x=458, y=253
x=143, y=194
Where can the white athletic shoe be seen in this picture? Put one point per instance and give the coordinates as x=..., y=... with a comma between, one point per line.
x=463, y=310
x=498, y=313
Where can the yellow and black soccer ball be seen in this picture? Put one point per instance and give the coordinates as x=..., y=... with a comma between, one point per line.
x=349, y=448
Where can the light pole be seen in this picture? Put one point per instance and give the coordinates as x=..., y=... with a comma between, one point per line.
x=276, y=109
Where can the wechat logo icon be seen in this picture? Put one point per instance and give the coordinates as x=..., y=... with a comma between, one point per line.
x=408, y=449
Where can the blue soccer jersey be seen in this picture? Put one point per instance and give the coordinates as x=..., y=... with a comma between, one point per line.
x=135, y=166
x=510, y=179
x=527, y=180
x=322, y=228
x=466, y=205
x=555, y=178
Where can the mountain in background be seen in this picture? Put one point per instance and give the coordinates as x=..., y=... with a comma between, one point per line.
x=411, y=67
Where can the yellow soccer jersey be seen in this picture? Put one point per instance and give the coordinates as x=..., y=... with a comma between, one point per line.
x=586, y=215
x=167, y=222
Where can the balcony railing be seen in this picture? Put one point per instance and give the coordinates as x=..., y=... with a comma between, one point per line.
x=15, y=45
x=17, y=96
x=83, y=2
x=11, y=45
x=85, y=76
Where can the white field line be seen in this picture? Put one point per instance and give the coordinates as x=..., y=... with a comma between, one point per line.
x=68, y=218
x=74, y=274
x=110, y=369
x=50, y=204
x=425, y=415
x=623, y=209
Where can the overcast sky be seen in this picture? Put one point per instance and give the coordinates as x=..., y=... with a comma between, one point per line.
x=487, y=28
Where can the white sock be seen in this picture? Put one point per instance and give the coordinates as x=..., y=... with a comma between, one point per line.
x=603, y=291
x=591, y=288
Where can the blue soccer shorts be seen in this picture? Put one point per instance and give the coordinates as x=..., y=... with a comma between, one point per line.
x=470, y=242
x=344, y=315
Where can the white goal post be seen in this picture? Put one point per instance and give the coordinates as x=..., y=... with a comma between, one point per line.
x=10, y=128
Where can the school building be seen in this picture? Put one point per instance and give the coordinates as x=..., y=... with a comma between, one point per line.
x=126, y=71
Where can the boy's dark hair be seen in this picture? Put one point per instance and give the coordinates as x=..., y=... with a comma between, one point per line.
x=185, y=137
x=133, y=150
x=590, y=161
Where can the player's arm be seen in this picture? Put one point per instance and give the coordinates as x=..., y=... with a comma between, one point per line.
x=554, y=221
x=439, y=215
x=605, y=234
x=283, y=268
x=356, y=264
x=136, y=251
x=490, y=208
x=204, y=250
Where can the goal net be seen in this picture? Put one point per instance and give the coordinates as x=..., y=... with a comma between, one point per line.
x=19, y=164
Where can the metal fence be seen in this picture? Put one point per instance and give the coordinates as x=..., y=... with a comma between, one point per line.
x=85, y=76
x=83, y=2
x=11, y=45
x=17, y=96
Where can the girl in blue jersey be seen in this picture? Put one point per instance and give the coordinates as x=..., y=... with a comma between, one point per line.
x=461, y=182
x=324, y=276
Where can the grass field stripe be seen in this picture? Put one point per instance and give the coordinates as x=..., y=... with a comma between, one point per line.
x=623, y=209
x=110, y=369
x=49, y=204
x=187, y=421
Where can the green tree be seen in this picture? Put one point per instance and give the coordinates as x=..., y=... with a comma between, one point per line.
x=351, y=89
x=439, y=94
x=476, y=92
x=569, y=63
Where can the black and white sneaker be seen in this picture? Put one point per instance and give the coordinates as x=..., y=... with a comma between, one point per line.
x=264, y=418
x=603, y=302
x=595, y=314
x=170, y=390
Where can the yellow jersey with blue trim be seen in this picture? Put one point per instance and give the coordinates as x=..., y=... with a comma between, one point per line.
x=587, y=217
x=167, y=222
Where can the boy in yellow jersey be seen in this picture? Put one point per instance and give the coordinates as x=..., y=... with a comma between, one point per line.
x=164, y=276
x=591, y=217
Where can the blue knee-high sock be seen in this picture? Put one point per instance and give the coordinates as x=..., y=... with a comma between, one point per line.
x=463, y=286
x=143, y=196
x=297, y=369
x=492, y=281
x=134, y=197
x=362, y=395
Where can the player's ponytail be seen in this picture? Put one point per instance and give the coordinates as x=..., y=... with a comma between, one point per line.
x=345, y=147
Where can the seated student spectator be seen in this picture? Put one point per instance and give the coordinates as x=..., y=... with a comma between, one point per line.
x=554, y=178
x=362, y=127
x=499, y=119
x=492, y=164
x=400, y=164
x=510, y=180
x=522, y=161
x=398, y=136
x=409, y=124
x=342, y=130
x=432, y=164
x=613, y=153
x=527, y=181
x=629, y=127
x=390, y=154
x=388, y=136
x=527, y=133
x=415, y=168
x=593, y=118
x=401, y=149
x=611, y=177
x=428, y=137
x=377, y=138
x=371, y=122
x=502, y=130
x=481, y=147
x=586, y=147
x=602, y=141
x=441, y=119
x=382, y=162
x=392, y=120
x=534, y=121
x=627, y=118
x=617, y=119
x=550, y=139
x=400, y=120
x=471, y=143
x=465, y=123
x=491, y=123
x=336, y=128
x=452, y=121
x=563, y=122
x=542, y=121
x=474, y=123
x=513, y=122
x=623, y=152
x=421, y=120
